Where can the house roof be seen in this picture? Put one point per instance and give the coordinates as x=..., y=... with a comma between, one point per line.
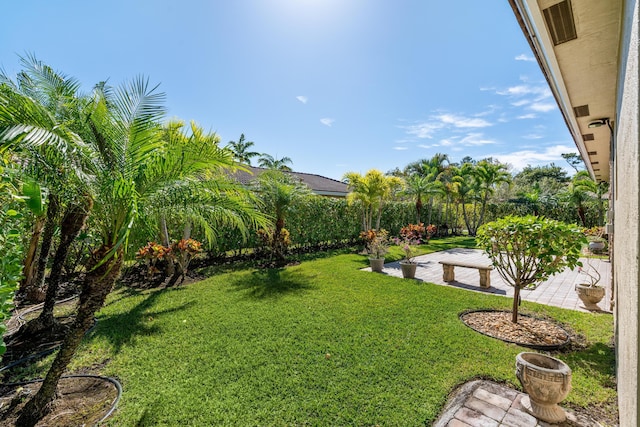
x=576, y=44
x=318, y=184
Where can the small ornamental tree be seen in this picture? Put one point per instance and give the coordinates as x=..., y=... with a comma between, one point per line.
x=529, y=249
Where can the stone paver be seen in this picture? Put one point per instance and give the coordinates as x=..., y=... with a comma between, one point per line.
x=558, y=290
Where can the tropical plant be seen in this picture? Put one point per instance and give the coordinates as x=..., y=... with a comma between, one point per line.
x=270, y=162
x=420, y=187
x=527, y=250
x=410, y=236
x=371, y=190
x=42, y=105
x=376, y=242
x=279, y=193
x=130, y=162
x=241, y=151
x=11, y=248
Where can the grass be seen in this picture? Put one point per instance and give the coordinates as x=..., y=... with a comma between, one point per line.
x=320, y=343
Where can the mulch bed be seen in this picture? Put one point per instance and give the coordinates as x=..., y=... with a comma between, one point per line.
x=528, y=332
x=80, y=401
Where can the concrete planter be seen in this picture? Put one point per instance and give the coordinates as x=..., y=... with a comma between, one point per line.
x=597, y=246
x=590, y=295
x=408, y=269
x=376, y=264
x=547, y=381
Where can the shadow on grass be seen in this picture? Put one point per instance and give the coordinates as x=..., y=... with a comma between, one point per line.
x=272, y=283
x=597, y=360
x=140, y=320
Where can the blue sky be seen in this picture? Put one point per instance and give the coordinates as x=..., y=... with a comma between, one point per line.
x=336, y=85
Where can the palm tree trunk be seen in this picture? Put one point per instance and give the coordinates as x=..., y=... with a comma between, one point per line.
x=418, y=209
x=29, y=269
x=164, y=231
x=186, y=233
x=97, y=285
x=34, y=294
x=73, y=221
x=430, y=210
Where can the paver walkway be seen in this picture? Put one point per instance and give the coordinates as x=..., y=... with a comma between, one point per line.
x=485, y=403
x=558, y=290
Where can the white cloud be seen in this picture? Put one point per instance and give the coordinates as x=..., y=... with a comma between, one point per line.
x=423, y=130
x=427, y=146
x=520, y=159
x=524, y=57
x=543, y=107
x=400, y=148
x=327, y=121
x=520, y=102
x=446, y=143
x=527, y=116
x=540, y=92
x=462, y=122
x=476, y=139
x=302, y=99
x=532, y=136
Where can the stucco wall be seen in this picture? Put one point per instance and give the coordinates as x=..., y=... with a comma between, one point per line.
x=626, y=219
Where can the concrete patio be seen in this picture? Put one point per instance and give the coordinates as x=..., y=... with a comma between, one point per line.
x=558, y=290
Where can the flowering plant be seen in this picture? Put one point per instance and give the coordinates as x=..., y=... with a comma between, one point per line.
x=593, y=274
x=376, y=242
x=410, y=237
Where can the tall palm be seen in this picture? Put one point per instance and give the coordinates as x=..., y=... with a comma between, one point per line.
x=467, y=191
x=371, y=190
x=270, y=162
x=420, y=187
x=489, y=175
x=241, y=151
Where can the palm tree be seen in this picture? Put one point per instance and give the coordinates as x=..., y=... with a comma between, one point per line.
x=42, y=105
x=279, y=194
x=207, y=201
x=270, y=162
x=132, y=163
x=419, y=187
x=489, y=175
x=241, y=151
x=372, y=190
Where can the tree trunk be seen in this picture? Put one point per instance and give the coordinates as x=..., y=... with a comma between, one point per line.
x=95, y=288
x=418, y=209
x=429, y=210
x=29, y=269
x=35, y=293
x=171, y=266
x=582, y=215
x=73, y=221
x=516, y=304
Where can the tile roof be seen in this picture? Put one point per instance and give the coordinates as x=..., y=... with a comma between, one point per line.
x=320, y=185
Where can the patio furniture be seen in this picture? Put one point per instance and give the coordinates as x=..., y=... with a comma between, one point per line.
x=483, y=269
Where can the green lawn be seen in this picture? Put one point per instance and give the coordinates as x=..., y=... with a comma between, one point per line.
x=321, y=343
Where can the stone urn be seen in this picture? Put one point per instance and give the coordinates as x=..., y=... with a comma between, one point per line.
x=376, y=264
x=590, y=295
x=408, y=269
x=597, y=246
x=547, y=381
